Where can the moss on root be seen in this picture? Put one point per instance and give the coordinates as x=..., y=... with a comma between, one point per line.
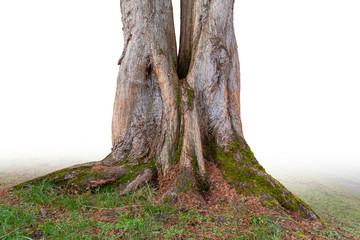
x=241, y=169
x=57, y=178
x=134, y=171
x=89, y=178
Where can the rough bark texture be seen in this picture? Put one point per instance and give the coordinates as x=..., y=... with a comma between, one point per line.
x=181, y=111
x=145, y=119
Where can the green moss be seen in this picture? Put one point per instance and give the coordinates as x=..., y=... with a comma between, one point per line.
x=184, y=181
x=162, y=51
x=177, y=154
x=81, y=176
x=127, y=178
x=178, y=95
x=134, y=172
x=247, y=155
x=322, y=221
x=56, y=178
x=267, y=204
x=60, y=174
x=188, y=186
x=240, y=168
x=290, y=206
x=138, y=167
x=189, y=94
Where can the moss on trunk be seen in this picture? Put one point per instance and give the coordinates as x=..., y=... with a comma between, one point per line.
x=240, y=168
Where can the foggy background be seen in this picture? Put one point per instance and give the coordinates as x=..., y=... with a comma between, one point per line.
x=300, y=72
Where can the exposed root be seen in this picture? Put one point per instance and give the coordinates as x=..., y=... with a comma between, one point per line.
x=178, y=186
x=145, y=177
x=122, y=178
x=234, y=176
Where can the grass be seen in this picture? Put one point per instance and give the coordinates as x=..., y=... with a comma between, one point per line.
x=332, y=201
x=43, y=211
x=46, y=212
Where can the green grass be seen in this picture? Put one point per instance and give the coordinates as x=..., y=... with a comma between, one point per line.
x=134, y=216
x=331, y=200
x=51, y=213
x=15, y=219
x=265, y=226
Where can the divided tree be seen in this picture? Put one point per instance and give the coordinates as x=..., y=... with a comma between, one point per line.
x=174, y=113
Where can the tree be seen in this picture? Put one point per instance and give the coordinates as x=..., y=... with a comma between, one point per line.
x=173, y=113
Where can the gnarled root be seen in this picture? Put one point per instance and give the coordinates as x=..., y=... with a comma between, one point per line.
x=123, y=178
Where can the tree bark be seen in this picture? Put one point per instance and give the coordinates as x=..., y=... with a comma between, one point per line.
x=145, y=119
x=179, y=112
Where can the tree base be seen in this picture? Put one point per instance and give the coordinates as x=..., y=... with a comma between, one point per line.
x=242, y=171
x=179, y=186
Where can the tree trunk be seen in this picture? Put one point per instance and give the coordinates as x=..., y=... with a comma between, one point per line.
x=175, y=113
x=145, y=121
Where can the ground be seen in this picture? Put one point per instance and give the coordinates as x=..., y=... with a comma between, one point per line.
x=46, y=212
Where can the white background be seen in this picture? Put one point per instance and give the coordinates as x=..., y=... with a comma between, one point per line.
x=300, y=69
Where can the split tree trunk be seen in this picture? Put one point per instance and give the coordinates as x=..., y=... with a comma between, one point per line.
x=180, y=111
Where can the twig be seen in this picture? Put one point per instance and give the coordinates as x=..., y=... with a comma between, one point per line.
x=112, y=209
